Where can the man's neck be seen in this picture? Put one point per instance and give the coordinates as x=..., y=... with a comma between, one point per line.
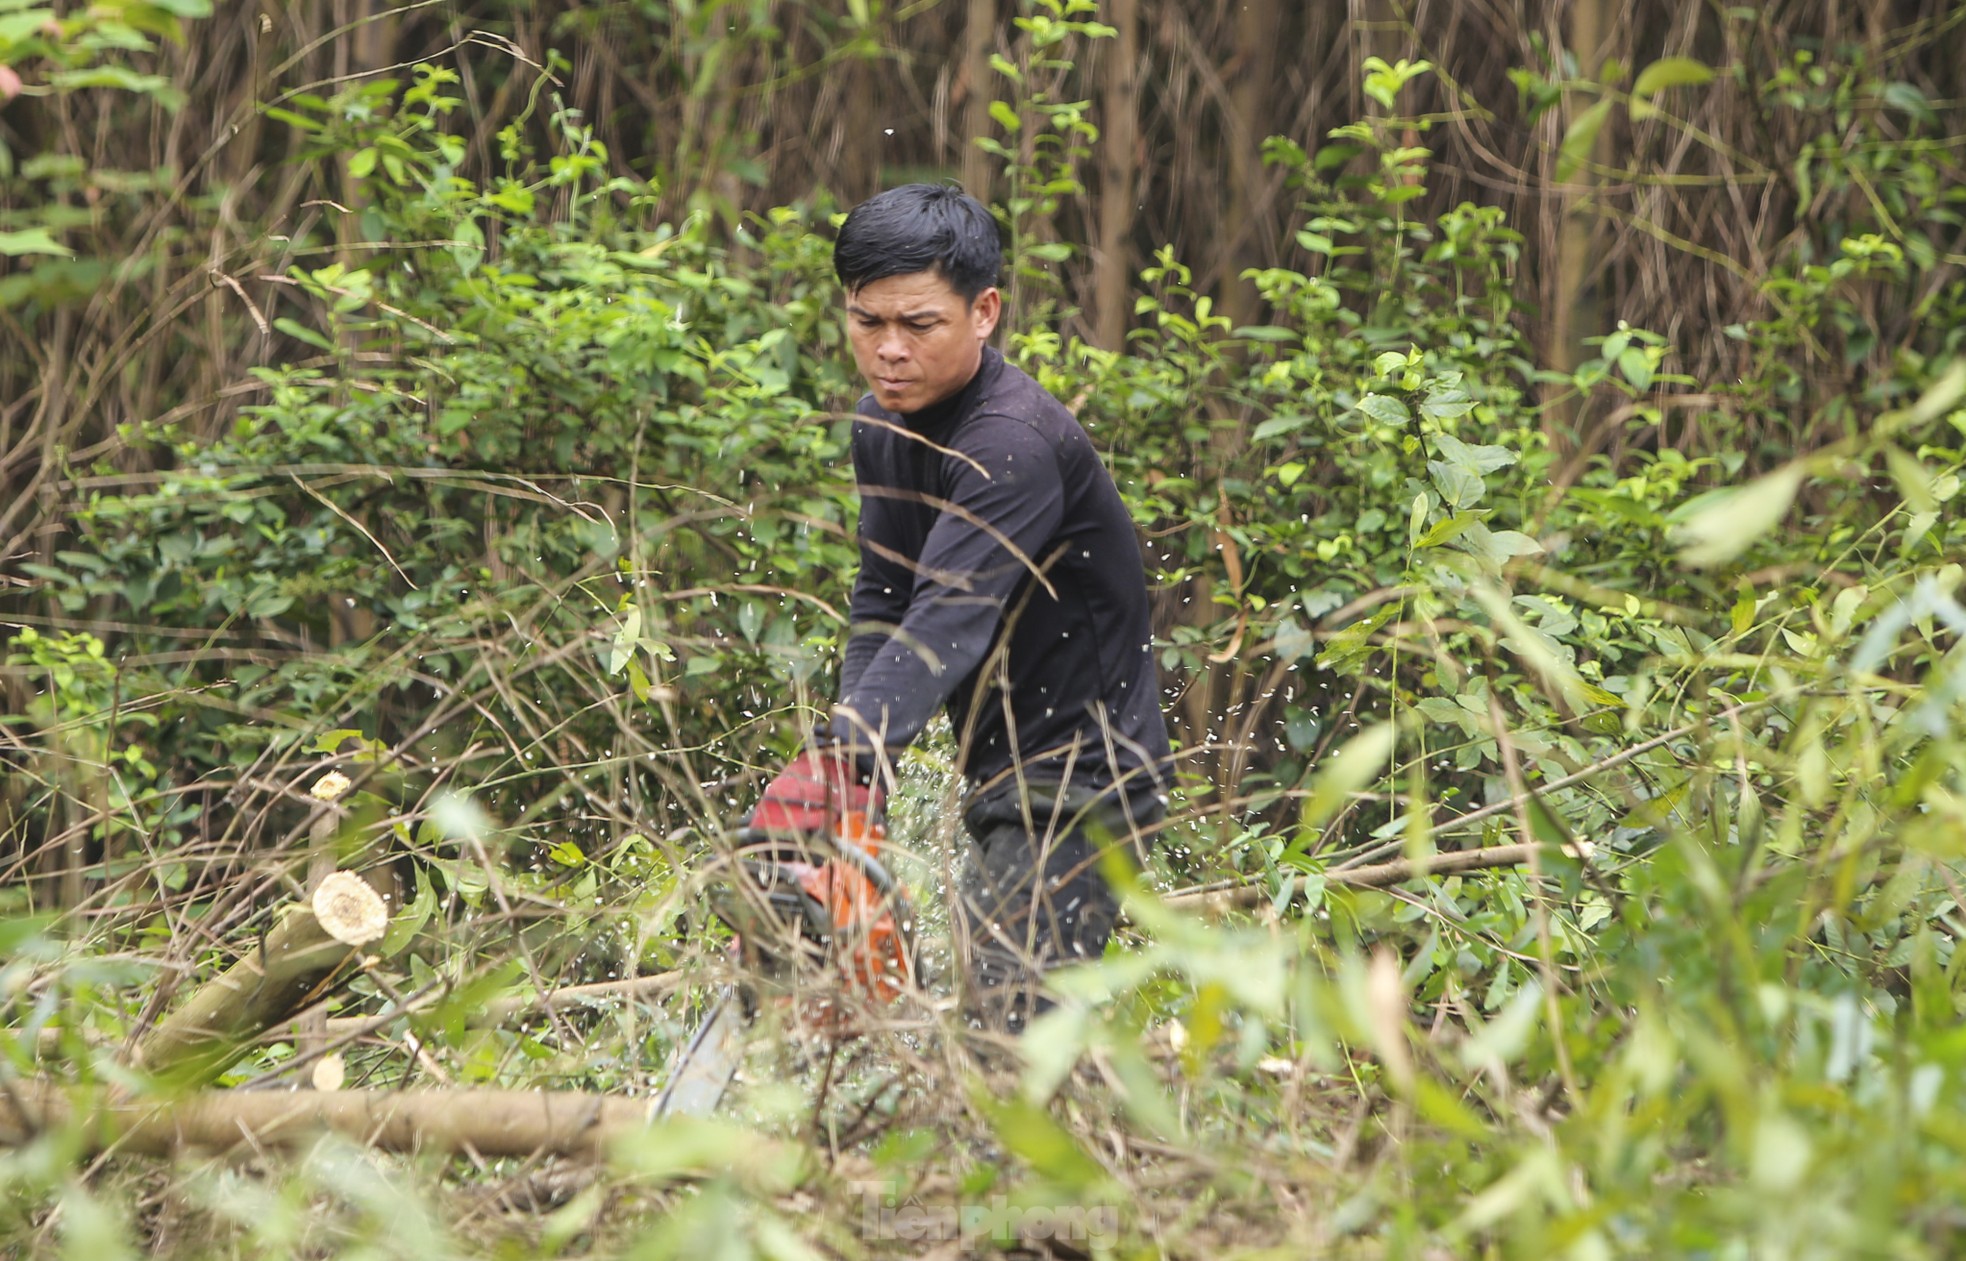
x=943, y=410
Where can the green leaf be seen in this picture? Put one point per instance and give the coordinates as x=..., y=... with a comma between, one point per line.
x=1637, y=367
x=1029, y=1132
x=153, y=20
x=638, y=682
x=1671, y=72
x=1515, y=543
x=1914, y=482
x=32, y=241
x=1459, y=487
x=1660, y=75
x=1050, y=1047
x=124, y=80
x=1939, y=398
x=1362, y=760
x=1726, y=524
x=624, y=640
x=1549, y=660
x=1143, y=1095
x=1006, y=117
x=1908, y=98
x=292, y=119
x=301, y=332
x=1276, y=425
x=1446, y=529
x=1496, y=547
x=1502, y=1039
x=18, y=932
x=1446, y=404
x=404, y=925
x=1476, y=459
x=1577, y=141
x=1385, y=409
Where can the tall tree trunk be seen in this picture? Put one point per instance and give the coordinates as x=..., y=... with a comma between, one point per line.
x=1574, y=307
x=860, y=158
x=1119, y=175
x=979, y=83
x=1259, y=25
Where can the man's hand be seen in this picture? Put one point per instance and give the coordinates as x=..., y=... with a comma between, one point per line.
x=814, y=792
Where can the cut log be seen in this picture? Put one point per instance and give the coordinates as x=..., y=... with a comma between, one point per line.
x=488, y=1122
x=291, y=970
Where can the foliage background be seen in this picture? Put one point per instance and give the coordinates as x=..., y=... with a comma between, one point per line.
x=1542, y=421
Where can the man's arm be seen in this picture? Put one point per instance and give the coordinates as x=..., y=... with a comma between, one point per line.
x=880, y=592
x=881, y=589
x=1002, y=510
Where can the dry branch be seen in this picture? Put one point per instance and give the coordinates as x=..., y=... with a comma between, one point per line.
x=1378, y=876
x=488, y=1122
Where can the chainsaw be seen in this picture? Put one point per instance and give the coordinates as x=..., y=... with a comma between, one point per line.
x=834, y=923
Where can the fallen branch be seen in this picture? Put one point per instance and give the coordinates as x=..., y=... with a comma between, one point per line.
x=488, y=1122
x=1510, y=804
x=515, y=1008
x=661, y=985
x=1378, y=876
x=497, y=1012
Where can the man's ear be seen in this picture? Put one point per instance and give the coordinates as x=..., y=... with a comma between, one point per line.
x=986, y=311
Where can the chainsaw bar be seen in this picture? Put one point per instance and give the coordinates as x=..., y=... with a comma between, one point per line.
x=708, y=1065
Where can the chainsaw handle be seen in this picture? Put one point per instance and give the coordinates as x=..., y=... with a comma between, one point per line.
x=869, y=866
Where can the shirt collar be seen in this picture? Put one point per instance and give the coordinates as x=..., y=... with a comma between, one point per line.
x=937, y=415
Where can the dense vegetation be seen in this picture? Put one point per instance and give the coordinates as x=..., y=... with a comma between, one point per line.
x=427, y=396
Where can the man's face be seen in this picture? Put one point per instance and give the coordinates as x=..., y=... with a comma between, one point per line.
x=915, y=339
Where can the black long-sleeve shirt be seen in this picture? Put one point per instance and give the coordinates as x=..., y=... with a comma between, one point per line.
x=1000, y=574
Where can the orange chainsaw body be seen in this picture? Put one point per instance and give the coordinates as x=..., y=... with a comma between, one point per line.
x=873, y=948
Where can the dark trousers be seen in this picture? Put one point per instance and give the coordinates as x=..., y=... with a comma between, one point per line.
x=1032, y=895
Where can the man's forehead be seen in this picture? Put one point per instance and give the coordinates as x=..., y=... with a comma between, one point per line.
x=918, y=291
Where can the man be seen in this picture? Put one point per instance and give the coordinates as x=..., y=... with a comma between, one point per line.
x=999, y=576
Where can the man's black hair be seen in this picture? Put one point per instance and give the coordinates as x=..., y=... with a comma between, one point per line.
x=916, y=228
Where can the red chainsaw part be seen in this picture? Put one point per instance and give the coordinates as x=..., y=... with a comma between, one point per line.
x=874, y=949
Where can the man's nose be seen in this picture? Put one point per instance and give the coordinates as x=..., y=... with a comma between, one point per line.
x=892, y=346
